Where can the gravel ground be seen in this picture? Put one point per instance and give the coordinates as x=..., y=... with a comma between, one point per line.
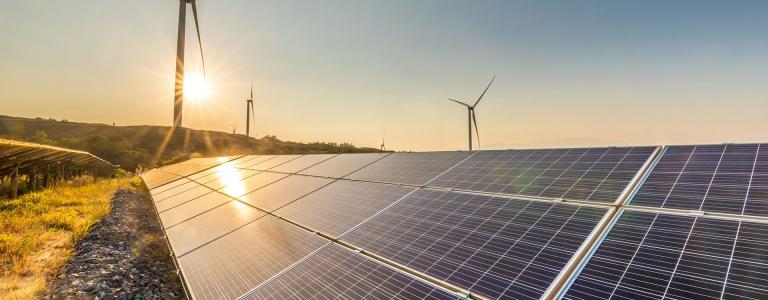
x=123, y=257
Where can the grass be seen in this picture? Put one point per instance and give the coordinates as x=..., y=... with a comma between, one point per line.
x=38, y=232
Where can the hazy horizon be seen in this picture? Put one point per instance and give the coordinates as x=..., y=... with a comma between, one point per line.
x=594, y=73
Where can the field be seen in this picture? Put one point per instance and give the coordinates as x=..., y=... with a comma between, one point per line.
x=38, y=232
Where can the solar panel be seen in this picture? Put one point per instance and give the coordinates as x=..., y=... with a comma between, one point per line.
x=237, y=262
x=273, y=162
x=181, y=198
x=201, y=229
x=284, y=191
x=492, y=246
x=589, y=174
x=410, y=168
x=302, y=163
x=731, y=178
x=251, y=160
x=156, y=191
x=653, y=256
x=338, y=207
x=343, y=164
x=157, y=178
x=250, y=184
x=338, y=273
x=192, y=208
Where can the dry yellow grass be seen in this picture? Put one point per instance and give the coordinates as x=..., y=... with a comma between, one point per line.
x=38, y=232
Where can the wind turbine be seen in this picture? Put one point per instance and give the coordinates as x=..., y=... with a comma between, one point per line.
x=248, y=113
x=178, y=101
x=472, y=118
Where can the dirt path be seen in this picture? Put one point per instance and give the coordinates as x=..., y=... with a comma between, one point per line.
x=123, y=257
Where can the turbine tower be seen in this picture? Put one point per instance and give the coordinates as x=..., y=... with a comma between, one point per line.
x=178, y=101
x=248, y=113
x=472, y=118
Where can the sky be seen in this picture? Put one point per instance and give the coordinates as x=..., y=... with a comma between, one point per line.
x=568, y=73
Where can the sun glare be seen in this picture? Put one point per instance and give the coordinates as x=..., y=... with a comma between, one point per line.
x=196, y=87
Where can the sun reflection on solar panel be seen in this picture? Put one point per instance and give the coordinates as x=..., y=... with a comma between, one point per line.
x=231, y=178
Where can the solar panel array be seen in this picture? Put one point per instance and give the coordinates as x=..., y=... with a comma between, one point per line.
x=624, y=222
x=696, y=228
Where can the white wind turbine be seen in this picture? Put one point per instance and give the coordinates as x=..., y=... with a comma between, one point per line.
x=472, y=118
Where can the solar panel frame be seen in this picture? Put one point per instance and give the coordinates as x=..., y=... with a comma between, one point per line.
x=301, y=163
x=573, y=174
x=341, y=205
x=339, y=273
x=198, y=231
x=694, y=251
x=411, y=168
x=417, y=248
x=343, y=164
x=227, y=268
x=716, y=179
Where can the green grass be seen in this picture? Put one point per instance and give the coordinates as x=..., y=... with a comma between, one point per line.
x=39, y=230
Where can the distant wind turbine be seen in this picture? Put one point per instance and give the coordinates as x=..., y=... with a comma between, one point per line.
x=178, y=101
x=472, y=118
x=248, y=113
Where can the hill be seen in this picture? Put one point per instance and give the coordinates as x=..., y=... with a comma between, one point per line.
x=151, y=146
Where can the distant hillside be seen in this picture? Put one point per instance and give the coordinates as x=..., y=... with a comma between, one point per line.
x=150, y=146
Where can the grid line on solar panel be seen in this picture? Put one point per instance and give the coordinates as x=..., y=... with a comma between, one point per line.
x=344, y=164
x=273, y=162
x=658, y=255
x=585, y=174
x=302, y=163
x=340, y=206
x=413, y=168
x=338, y=273
x=232, y=265
x=726, y=179
x=491, y=246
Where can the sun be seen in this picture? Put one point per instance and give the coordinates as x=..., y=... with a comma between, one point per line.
x=196, y=87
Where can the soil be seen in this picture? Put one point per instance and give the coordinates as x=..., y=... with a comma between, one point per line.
x=125, y=256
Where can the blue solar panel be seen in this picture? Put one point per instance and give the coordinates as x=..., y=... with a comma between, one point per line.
x=492, y=246
x=653, y=256
x=416, y=168
x=338, y=273
x=730, y=178
x=590, y=174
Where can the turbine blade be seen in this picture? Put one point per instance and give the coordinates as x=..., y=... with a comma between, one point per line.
x=459, y=102
x=477, y=131
x=251, y=91
x=199, y=40
x=486, y=89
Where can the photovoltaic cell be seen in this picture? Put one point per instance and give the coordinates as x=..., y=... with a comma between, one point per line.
x=193, y=233
x=589, y=174
x=338, y=207
x=655, y=256
x=492, y=246
x=284, y=191
x=251, y=160
x=237, y=189
x=236, y=263
x=338, y=273
x=170, y=185
x=410, y=168
x=343, y=164
x=273, y=162
x=192, y=208
x=157, y=179
x=730, y=178
x=301, y=163
x=181, y=198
